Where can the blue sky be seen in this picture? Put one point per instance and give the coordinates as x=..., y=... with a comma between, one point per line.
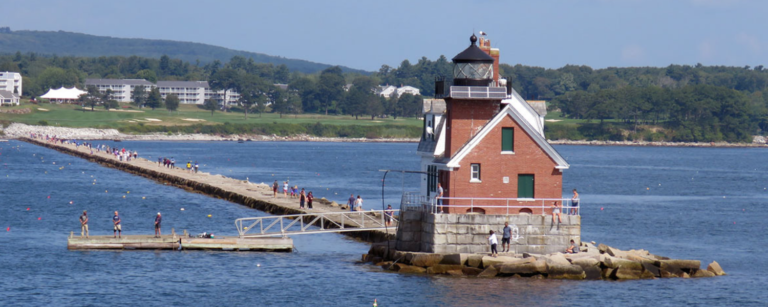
x=366, y=34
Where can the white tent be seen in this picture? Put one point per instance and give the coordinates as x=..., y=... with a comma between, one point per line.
x=62, y=94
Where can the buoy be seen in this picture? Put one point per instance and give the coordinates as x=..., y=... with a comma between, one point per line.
x=245, y=228
x=143, y=197
x=70, y=202
x=128, y=192
x=601, y=208
x=182, y=209
x=209, y=215
x=27, y=209
x=49, y=196
x=647, y=188
x=258, y=264
x=8, y=229
x=40, y=218
x=123, y=196
x=105, y=191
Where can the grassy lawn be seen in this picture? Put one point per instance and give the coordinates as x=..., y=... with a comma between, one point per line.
x=66, y=115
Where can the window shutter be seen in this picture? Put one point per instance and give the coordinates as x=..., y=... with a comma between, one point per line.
x=507, y=139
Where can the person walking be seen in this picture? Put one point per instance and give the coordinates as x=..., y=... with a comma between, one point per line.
x=505, y=237
x=310, y=197
x=189, y=166
x=274, y=189
x=359, y=203
x=556, y=211
x=84, y=224
x=351, y=202
x=197, y=166
x=575, y=203
x=388, y=215
x=158, y=220
x=492, y=240
x=285, y=188
x=302, y=199
x=118, y=228
x=439, y=198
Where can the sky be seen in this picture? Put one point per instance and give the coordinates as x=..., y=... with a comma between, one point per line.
x=368, y=34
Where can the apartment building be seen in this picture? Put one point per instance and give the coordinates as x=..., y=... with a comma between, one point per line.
x=11, y=82
x=196, y=92
x=122, y=89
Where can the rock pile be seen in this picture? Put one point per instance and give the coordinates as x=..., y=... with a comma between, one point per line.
x=16, y=111
x=593, y=262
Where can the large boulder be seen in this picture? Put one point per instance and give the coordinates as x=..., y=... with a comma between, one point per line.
x=454, y=259
x=556, y=259
x=585, y=262
x=571, y=271
x=500, y=260
x=625, y=273
x=471, y=271
x=652, y=269
x=666, y=274
x=685, y=265
x=602, y=248
x=491, y=271
x=443, y=268
x=404, y=268
x=523, y=268
x=613, y=262
x=426, y=260
x=592, y=273
x=715, y=268
x=475, y=261
x=702, y=273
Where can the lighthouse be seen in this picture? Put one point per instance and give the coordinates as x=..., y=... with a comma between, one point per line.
x=483, y=147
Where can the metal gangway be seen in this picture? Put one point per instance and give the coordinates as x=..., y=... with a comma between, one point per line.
x=314, y=223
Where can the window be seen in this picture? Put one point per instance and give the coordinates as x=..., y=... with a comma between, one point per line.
x=508, y=140
x=475, y=172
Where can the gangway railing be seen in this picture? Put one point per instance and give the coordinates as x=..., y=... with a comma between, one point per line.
x=313, y=223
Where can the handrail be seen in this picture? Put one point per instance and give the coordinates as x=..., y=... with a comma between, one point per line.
x=282, y=225
x=565, y=204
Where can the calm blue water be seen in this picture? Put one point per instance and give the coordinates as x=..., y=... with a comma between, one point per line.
x=706, y=204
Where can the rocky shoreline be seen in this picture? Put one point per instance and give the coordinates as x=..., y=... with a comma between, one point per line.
x=17, y=130
x=600, y=262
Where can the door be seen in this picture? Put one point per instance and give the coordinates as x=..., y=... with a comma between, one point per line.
x=524, y=186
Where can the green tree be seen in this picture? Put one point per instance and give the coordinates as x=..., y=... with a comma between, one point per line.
x=147, y=74
x=330, y=88
x=211, y=105
x=360, y=96
x=139, y=96
x=253, y=91
x=91, y=97
x=225, y=79
x=110, y=104
x=154, y=99
x=171, y=102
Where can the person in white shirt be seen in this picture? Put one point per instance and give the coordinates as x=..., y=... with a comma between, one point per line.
x=492, y=240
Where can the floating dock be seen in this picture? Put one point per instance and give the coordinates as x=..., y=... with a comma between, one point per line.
x=172, y=242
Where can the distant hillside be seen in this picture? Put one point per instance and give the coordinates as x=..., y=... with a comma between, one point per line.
x=78, y=44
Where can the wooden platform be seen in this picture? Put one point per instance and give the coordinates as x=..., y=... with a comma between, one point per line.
x=171, y=242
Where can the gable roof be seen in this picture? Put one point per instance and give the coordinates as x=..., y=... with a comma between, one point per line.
x=516, y=116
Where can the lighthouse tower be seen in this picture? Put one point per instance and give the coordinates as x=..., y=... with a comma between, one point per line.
x=483, y=145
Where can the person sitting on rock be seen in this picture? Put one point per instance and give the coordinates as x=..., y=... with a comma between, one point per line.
x=573, y=249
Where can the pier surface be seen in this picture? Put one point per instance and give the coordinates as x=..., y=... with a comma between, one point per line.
x=171, y=242
x=257, y=196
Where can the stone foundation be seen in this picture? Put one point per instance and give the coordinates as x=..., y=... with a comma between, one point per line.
x=468, y=233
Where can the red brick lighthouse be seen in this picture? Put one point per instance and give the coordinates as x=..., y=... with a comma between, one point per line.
x=483, y=145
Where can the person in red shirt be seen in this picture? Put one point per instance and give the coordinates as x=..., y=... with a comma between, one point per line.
x=309, y=200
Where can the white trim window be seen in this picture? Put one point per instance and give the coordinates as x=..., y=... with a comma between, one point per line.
x=474, y=170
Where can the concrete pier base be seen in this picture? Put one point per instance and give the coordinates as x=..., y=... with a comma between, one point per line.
x=468, y=233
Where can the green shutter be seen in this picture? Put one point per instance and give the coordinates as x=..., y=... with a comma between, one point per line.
x=507, y=139
x=524, y=186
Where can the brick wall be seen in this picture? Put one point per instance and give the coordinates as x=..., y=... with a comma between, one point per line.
x=528, y=158
x=465, y=118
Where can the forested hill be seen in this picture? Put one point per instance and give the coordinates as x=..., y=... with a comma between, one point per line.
x=78, y=44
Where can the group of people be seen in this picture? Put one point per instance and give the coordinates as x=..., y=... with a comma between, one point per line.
x=574, y=209
x=506, y=237
x=117, y=228
x=171, y=163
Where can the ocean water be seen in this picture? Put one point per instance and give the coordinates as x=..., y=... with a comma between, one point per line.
x=692, y=203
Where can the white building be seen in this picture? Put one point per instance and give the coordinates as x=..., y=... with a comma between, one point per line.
x=122, y=89
x=389, y=90
x=11, y=82
x=196, y=92
x=7, y=97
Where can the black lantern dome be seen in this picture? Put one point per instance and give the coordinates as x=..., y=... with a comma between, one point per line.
x=472, y=67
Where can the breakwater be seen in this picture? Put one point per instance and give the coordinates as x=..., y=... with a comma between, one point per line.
x=256, y=196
